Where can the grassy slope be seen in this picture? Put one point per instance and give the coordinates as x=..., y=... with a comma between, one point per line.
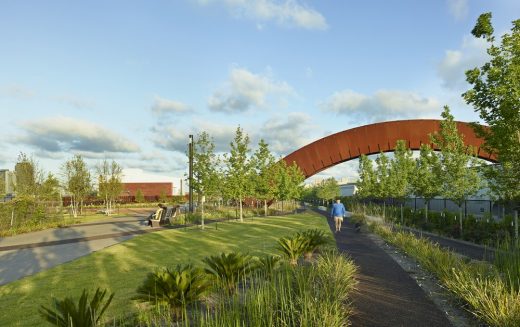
x=122, y=267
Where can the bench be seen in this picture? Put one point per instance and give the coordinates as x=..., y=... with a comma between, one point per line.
x=166, y=215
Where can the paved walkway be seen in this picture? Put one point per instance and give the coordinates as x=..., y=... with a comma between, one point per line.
x=386, y=295
x=26, y=254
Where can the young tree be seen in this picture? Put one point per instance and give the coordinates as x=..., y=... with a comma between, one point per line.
x=26, y=176
x=288, y=181
x=427, y=181
x=366, y=184
x=76, y=181
x=401, y=173
x=458, y=162
x=139, y=196
x=495, y=97
x=264, y=186
x=383, y=187
x=238, y=169
x=50, y=188
x=328, y=189
x=205, y=175
x=109, y=182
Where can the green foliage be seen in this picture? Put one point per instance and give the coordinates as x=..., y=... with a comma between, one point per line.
x=490, y=298
x=314, y=239
x=263, y=162
x=238, y=168
x=367, y=178
x=293, y=247
x=109, y=182
x=175, y=288
x=26, y=175
x=328, y=189
x=495, y=97
x=427, y=181
x=65, y=313
x=401, y=171
x=383, y=186
x=229, y=269
x=312, y=295
x=139, y=196
x=268, y=264
x=76, y=181
x=507, y=260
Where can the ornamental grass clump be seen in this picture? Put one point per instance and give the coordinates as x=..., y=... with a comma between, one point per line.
x=65, y=313
x=490, y=293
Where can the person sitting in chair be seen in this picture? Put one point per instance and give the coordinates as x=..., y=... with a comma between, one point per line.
x=157, y=215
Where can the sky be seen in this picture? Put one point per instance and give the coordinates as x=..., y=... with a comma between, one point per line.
x=130, y=80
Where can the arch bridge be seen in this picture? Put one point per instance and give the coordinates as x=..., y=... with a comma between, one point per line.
x=372, y=139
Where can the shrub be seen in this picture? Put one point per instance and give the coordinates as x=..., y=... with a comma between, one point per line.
x=314, y=239
x=292, y=247
x=85, y=314
x=175, y=288
x=229, y=269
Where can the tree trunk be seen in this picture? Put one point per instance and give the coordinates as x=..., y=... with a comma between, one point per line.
x=12, y=217
x=384, y=210
x=426, y=207
x=515, y=219
x=265, y=208
x=460, y=220
x=202, y=214
x=240, y=204
x=402, y=216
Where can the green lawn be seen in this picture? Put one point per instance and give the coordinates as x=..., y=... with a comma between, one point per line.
x=122, y=267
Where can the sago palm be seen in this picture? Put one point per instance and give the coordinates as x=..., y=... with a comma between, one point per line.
x=315, y=238
x=176, y=288
x=229, y=269
x=292, y=247
x=85, y=314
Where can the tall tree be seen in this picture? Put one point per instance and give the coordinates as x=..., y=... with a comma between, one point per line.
x=26, y=176
x=288, y=181
x=76, y=181
x=427, y=181
x=49, y=190
x=238, y=169
x=109, y=182
x=205, y=175
x=383, y=187
x=401, y=172
x=459, y=169
x=264, y=186
x=367, y=178
x=495, y=96
x=328, y=189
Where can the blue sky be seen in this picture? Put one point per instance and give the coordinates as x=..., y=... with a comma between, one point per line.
x=130, y=80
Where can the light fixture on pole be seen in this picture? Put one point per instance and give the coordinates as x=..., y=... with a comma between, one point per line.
x=190, y=151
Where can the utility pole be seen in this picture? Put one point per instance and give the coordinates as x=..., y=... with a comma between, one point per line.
x=190, y=148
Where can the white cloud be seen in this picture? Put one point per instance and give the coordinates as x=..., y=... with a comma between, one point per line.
x=137, y=175
x=383, y=105
x=17, y=91
x=289, y=133
x=458, y=8
x=162, y=106
x=75, y=101
x=245, y=90
x=61, y=134
x=176, y=139
x=452, y=68
x=285, y=12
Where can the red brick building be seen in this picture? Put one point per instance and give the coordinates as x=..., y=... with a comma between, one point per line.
x=148, y=189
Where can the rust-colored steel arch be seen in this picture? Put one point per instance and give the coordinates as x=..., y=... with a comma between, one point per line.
x=372, y=139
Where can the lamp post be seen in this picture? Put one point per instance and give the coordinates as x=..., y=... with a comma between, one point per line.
x=190, y=151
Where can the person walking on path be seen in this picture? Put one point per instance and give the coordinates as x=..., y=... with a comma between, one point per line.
x=337, y=212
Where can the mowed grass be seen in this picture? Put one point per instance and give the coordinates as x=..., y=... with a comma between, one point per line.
x=122, y=267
